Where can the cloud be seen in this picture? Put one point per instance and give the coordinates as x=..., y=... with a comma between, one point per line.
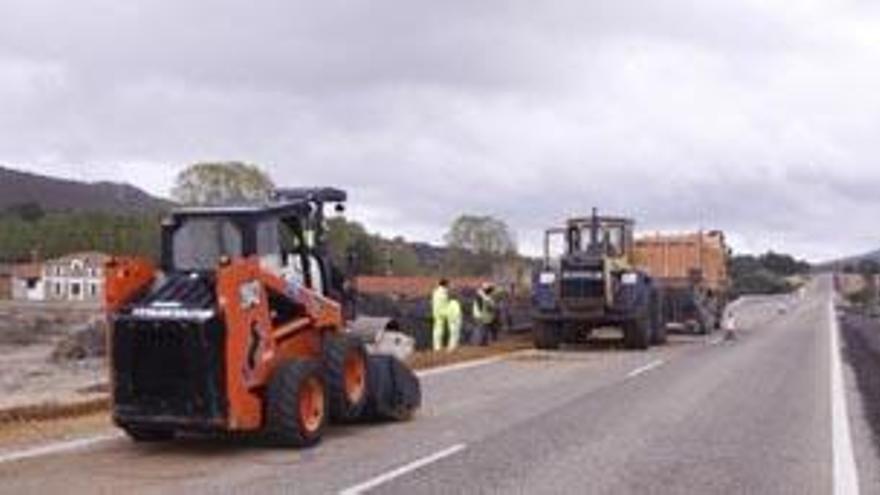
x=745, y=116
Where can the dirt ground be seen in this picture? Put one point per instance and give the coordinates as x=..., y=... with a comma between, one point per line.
x=32, y=368
x=27, y=376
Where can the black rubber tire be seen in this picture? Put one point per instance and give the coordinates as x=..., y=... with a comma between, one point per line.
x=637, y=332
x=142, y=434
x=546, y=336
x=282, y=420
x=659, y=333
x=336, y=347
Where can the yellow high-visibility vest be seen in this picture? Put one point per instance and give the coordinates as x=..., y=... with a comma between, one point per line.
x=440, y=302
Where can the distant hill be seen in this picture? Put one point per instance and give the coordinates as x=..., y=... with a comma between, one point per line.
x=851, y=261
x=53, y=194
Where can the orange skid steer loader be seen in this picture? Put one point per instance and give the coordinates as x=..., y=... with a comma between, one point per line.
x=245, y=330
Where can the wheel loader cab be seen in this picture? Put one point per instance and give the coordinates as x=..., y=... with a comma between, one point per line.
x=599, y=237
x=584, y=276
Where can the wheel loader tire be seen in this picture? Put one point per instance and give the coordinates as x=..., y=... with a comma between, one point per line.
x=296, y=404
x=546, y=336
x=659, y=334
x=347, y=371
x=148, y=435
x=637, y=331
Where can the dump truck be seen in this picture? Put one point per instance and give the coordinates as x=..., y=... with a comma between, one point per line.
x=244, y=328
x=691, y=271
x=593, y=283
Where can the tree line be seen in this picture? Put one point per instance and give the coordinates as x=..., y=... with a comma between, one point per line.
x=475, y=244
x=27, y=233
x=769, y=273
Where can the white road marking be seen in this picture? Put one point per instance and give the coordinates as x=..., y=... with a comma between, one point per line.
x=468, y=364
x=846, y=478
x=57, y=448
x=646, y=368
x=402, y=470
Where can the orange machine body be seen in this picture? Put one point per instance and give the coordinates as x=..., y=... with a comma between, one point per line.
x=124, y=279
x=255, y=343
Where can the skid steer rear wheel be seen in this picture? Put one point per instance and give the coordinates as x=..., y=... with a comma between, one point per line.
x=345, y=359
x=296, y=404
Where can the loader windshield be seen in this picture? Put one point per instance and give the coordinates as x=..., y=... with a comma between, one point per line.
x=199, y=243
x=603, y=237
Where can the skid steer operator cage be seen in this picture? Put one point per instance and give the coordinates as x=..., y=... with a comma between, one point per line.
x=290, y=222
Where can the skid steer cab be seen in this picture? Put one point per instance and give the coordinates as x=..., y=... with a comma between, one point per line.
x=590, y=283
x=244, y=330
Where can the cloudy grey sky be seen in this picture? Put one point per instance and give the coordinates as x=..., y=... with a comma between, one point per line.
x=758, y=117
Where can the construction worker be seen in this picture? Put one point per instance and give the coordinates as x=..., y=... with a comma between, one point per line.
x=453, y=320
x=485, y=315
x=440, y=312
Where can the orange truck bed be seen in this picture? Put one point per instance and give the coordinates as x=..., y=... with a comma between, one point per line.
x=680, y=259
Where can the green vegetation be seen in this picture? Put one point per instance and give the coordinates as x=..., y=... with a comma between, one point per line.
x=477, y=246
x=481, y=235
x=770, y=273
x=24, y=233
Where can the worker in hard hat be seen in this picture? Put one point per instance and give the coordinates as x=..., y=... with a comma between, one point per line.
x=485, y=314
x=440, y=312
x=453, y=321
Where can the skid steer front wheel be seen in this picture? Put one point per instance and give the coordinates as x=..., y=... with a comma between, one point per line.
x=345, y=359
x=296, y=404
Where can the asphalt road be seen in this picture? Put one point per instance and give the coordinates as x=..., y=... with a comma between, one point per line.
x=701, y=415
x=861, y=350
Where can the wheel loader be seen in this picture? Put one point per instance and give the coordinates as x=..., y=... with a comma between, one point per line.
x=243, y=328
x=593, y=283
